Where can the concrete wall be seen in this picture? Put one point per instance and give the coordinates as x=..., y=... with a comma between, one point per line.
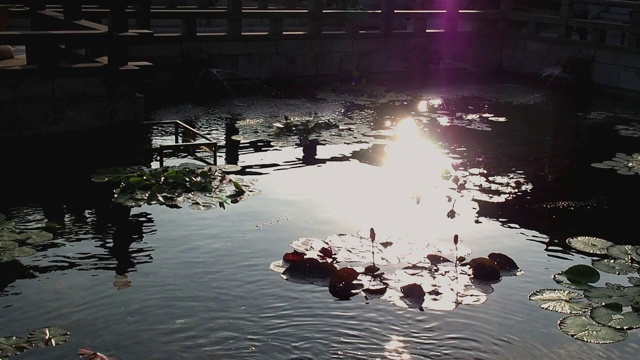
x=47, y=105
x=614, y=70
x=177, y=59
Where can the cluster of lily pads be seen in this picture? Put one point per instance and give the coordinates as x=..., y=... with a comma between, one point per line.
x=204, y=187
x=630, y=130
x=46, y=336
x=624, y=164
x=15, y=244
x=430, y=281
x=598, y=314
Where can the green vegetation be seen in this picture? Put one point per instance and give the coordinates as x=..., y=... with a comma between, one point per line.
x=600, y=315
x=46, y=336
x=203, y=187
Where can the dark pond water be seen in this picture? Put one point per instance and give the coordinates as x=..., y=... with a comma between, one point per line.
x=205, y=284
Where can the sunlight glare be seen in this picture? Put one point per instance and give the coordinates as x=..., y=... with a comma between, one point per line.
x=395, y=349
x=416, y=193
x=433, y=103
x=414, y=160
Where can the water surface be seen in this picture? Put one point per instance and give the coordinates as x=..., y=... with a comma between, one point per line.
x=199, y=284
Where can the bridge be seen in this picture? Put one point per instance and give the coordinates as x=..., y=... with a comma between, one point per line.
x=84, y=63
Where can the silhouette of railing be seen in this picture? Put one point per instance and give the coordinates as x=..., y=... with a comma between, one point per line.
x=189, y=133
x=97, y=33
x=605, y=24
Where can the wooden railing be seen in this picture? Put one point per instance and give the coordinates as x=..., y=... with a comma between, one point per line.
x=100, y=31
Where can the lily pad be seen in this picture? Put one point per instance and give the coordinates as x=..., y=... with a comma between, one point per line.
x=341, y=284
x=48, y=336
x=562, y=280
x=35, y=237
x=634, y=280
x=436, y=259
x=559, y=300
x=582, y=273
x=590, y=244
x=7, y=225
x=614, y=266
x=23, y=251
x=12, y=345
x=584, y=328
x=8, y=245
x=484, y=269
x=173, y=186
x=611, y=315
x=624, y=252
x=504, y=262
x=7, y=235
x=612, y=293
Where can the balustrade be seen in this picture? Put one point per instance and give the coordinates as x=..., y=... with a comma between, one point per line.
x=105, y=28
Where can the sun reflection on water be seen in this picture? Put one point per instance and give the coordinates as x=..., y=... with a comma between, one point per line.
x=414, y=160
x=395, y=349
x=413, y=168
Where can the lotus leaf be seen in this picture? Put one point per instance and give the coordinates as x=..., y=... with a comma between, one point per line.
x=413, y=291
x=624, y=164
x=293, y=256
x=584, y=328
x=23, y=251
x=7, y=235
x=612, y=294
x=484, y=269
x=436, y=259
x=371, y=270
x=7, y=225
x=171, y=186
x=624, y=252
x=634, y=280
x=504, y=262
x=48, y=336
x=87, y=353
x=614, y=266
x=558, y=300
x=562, y=280
x=611, y=315
x=581, y=273
x=8, y=245
x=341, y=284
x=589, y=244
x=12, y=345
x=310, y=268
x=375, y=290
x=6, y=257
x=35, y=237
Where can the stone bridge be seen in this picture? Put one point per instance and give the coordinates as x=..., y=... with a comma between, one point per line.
x=84, y=63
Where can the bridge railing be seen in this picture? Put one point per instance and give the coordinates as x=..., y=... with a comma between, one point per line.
x=598, y=23
x=102, y=30
x=58, y=35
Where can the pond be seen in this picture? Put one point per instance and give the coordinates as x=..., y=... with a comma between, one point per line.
x=502, y=166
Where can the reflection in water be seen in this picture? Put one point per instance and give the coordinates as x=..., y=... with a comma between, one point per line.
x=357, y=174
x=395, y=349
x=112, y=226
x=414, y=161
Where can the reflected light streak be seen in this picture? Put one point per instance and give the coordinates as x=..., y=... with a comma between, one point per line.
x=415, y=201
x=414, y=161
x=395, y=349
x=426, y=105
